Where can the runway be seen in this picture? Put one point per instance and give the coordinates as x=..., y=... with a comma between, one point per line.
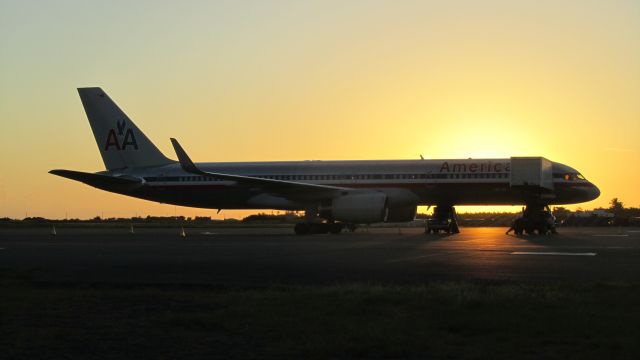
x=261, y=257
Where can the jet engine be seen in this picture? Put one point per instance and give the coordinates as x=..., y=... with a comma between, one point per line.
x=402, y=203
x=402, y=214
x=358, y=208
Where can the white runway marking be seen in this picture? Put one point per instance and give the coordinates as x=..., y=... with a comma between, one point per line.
x=634, y=231
x=610, y=235
x=208, y=233
x=552, y=253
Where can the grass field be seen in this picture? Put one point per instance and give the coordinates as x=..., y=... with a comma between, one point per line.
x=474, y=320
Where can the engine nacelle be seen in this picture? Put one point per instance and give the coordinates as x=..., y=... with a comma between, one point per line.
x=402, y=214
x=402, y=204
x=360, y=208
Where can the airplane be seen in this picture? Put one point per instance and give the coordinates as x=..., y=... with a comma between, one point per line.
x=332, y=194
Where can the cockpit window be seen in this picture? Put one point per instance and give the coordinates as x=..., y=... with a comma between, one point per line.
x=573, y=177
x=568, y=176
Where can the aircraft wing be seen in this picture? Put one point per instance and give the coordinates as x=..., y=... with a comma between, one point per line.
x=289, y=189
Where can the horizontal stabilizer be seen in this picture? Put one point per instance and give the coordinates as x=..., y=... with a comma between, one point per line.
x=106, y=182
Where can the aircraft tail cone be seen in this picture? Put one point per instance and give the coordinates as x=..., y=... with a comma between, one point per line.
x=182, y=233
x=53, y=230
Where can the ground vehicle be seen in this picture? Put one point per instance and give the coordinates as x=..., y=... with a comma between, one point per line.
x=443, y=219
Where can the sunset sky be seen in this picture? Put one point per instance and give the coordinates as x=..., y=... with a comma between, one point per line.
x=295, y=80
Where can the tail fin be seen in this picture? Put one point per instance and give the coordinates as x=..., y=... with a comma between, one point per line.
x=122, y=145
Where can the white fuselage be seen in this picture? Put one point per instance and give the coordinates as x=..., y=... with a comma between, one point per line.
x=430, y=182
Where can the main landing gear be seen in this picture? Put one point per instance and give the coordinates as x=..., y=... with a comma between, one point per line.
x=443, y=219
x=320, y=228
x=535, y=218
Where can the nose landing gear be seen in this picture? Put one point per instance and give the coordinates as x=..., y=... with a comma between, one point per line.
x=535, y=218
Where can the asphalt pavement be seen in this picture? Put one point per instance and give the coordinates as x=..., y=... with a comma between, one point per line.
x=267, y=256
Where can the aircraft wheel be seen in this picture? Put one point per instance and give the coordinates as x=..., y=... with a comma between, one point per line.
x=543, y=230
x=335, y=228
x=529, y=229
x=319, y=228
x=518, y=226
x=302, y=229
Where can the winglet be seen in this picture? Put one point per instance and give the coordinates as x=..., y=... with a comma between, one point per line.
x=185, y=162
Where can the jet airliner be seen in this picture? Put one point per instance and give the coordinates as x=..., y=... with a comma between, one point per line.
x=332, y=194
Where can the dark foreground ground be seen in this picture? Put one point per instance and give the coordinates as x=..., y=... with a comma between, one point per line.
x=247, y=293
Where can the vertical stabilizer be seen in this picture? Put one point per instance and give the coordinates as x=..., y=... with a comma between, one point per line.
x=122, y=145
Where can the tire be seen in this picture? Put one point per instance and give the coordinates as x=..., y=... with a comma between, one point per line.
x=543, y=230
x=319, y=228
x=530, y=229
x=302, y=229
x=335, y=228
x=518, y=226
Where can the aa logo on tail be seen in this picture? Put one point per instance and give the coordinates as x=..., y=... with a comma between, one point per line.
x=127, y=136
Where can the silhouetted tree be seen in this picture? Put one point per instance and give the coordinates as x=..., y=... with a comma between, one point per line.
x=619, y=214
x=616, y=205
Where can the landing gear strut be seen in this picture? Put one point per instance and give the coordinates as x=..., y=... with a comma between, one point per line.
x=443, y=219
x=535, y=218
x=313, y=224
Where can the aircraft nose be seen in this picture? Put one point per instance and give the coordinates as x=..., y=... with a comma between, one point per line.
x=593, y=192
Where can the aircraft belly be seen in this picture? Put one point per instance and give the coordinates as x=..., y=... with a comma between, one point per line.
x=471, y=194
